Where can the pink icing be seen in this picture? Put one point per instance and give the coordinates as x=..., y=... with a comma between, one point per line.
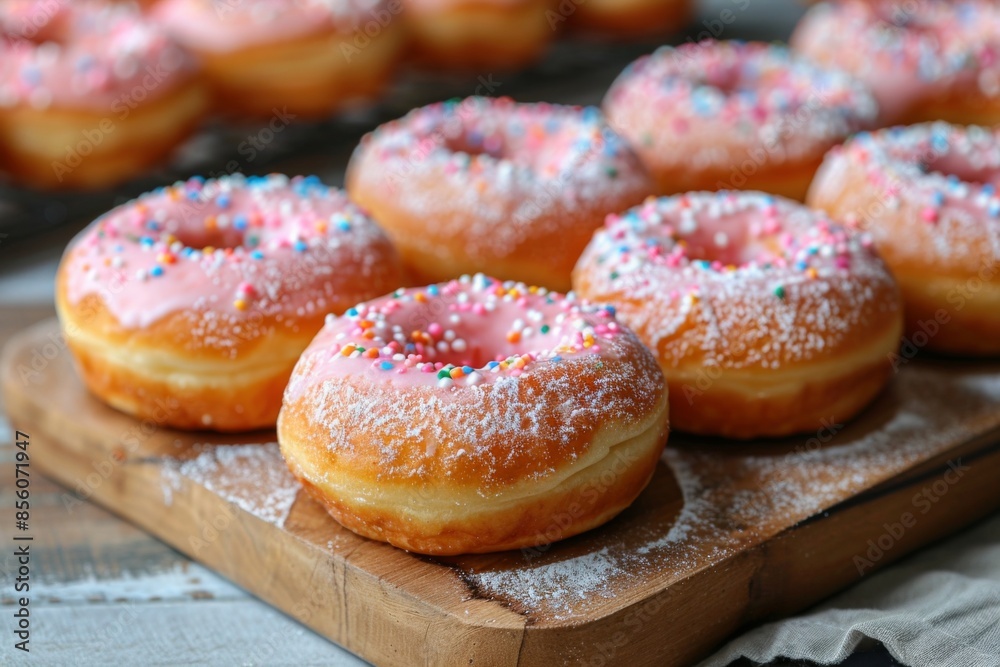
x=907, y=56
x=467, y=332
x=100, y=56
x=231, y=25
x=686, y=101
x=281, y=247
x=942, y=179
x=764, y=280
x=506, y=169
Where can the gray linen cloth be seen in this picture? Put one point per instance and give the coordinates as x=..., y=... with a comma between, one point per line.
x=937, y=608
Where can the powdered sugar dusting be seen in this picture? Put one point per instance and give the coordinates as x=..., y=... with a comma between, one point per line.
x=252, y=477
x=736, y=497
x=563, y=583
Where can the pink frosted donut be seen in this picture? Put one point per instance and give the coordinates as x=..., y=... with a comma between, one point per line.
x=474, y=416
x=927, y=194
x=191, y=304
x=301, y=58
x=766, y=316
x=512, y=190
x=725, y=115
x=922, y=59
x=90, y=93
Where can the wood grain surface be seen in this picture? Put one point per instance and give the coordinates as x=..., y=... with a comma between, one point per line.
x=725, y=535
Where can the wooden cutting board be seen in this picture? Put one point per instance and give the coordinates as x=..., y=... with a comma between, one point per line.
x=725, y=536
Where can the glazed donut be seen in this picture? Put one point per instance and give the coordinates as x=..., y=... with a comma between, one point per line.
x=927, y=195
x=474, y=416
x=191, y=304
x=306, y=59
x=513, y=190
x=923, y=59
x=734, y=115
x=90, y=93
x=766, y=317
x=478, y=35
x=630, y=18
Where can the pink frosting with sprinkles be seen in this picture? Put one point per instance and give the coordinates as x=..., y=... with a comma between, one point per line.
x=228, y=250
x=492, y=171
x=487, y=374
x=711, y=104
x=945, y=47
x=100, y=56
x=231, y=25
x=745, y=279
x=467, y=332
x=939, y=179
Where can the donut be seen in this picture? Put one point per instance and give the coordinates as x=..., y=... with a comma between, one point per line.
x=474, y=416
x=273, y=58
x=734, y=115
x=90, y=94
x=190, y=305
x=927, y=195
x=924, y=60
x=767, y=318
x=512, y=190
x=478, y=35
x=629, y=18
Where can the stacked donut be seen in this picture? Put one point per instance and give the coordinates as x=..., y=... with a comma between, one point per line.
x=480, y=412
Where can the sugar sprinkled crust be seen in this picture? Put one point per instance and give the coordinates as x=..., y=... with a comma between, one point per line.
x=710, y=105
x=907, y=52
x=507, y=401
x=941, y=179
x=94, y=56
x=491, y=172
x=737, y=280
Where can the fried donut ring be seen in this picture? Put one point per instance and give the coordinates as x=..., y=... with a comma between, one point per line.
x=734, y=115
x=631, y=18
x=766, y=317
x=305, y=59
x=90, y=93
x=927, y=195
x=513, y=190
x=478, y=35
x=474, y=416
x=191, y=304
x=923, y=61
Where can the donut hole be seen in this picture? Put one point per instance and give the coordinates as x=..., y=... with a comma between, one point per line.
x=474, y=145
x=729, y=242
x=726, y=79
x=479, y=338
x=958, y=166
x=210, y=237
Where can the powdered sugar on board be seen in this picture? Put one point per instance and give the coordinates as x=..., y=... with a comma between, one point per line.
x=731, y=497
x=252, y=477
